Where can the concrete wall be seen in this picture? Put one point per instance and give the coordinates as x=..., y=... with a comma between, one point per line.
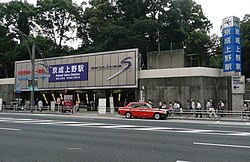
x=165, y=59
x=183, y=88
x=7, y=89
x=247, y=90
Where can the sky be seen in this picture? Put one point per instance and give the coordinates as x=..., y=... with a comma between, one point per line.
x=214, y=10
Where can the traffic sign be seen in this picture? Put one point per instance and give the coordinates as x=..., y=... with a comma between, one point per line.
x=238, y=84
x=18, y=88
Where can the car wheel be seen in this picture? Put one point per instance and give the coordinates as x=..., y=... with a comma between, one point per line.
x=128, y=115
x=157, y=116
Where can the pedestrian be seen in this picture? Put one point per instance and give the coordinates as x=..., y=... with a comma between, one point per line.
x=208, y=105
x=220, y=107
x=40, y=105
x=150, y=102
x=170, y=108
x=160, y=104
x=187, y=105
x=164, y=106
x=193, y=106
x=198, y=108
x=246, y=109
x=212, y=110
x=176, y=107
x=180, y=108
x=125, y=102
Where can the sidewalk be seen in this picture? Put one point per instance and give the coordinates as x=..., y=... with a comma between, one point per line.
x=116, y=115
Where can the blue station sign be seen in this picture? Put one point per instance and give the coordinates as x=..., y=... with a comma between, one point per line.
x=68, y=72
x=231, y=44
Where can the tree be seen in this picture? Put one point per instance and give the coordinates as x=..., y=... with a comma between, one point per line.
x=13, y=14
x=148, y=25
x=17, y=14
x=6, y=45
x=245, y=44
x=57, y=20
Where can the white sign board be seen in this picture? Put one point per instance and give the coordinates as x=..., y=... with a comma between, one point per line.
x=238, y=84
x=102, y=106
x=230, y=21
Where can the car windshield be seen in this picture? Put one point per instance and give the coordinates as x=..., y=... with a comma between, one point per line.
x=145, y=105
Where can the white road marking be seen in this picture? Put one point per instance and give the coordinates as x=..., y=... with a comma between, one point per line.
x=196, y=131
x=67, y=122
x=75, y=148
x=155, y=128
x=221, y=145
x=129, y=127
x=181, y=161
x=10, y=129
x=117, y=126
x=229, y=126
x=239, y=134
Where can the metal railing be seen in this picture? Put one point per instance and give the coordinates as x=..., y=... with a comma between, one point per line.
x=35, y=109
x=244, y=114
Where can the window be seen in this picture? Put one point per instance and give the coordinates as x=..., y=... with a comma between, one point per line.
x=145, y=106
x=134, y=106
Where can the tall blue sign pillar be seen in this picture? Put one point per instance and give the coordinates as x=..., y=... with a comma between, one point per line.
x=231, y=44
x=232, y=60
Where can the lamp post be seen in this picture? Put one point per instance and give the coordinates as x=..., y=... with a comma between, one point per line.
x=32, y=58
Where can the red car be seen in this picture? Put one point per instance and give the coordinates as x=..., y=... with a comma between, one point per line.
x=142, y=110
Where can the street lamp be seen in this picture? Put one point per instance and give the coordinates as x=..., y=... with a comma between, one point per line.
x=32, y=58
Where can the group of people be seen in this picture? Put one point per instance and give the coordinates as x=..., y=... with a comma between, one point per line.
x=194, y=107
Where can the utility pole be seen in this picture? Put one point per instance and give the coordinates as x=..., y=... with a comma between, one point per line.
x=32, y=76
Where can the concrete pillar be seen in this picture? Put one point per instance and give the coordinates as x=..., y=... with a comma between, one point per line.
x=237, y=102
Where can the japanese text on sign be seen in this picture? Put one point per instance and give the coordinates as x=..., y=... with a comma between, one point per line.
x=68, y=72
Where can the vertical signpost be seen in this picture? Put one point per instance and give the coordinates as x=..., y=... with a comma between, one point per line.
x=232, y=58
x=231, y=44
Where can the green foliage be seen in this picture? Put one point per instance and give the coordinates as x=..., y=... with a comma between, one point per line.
x=57, y=19
x=245, y=44
x=17, y=14
x=105, y=26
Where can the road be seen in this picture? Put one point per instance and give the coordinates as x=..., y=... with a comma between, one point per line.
x=66, y=138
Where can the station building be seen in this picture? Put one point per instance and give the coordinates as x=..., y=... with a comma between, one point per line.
x=88, y=77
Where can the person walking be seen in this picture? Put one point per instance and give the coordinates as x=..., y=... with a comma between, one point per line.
x=220, y=107
x=160, y=104
x=176, y=107
x=198, y=108
x=212, y=110
x=170, y=108
x=193, y=106
x=208, y=106
x=150, y=102
x=164, y=106
x=40, y=105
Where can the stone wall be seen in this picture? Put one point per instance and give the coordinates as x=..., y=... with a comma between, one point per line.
x=183, y=88
x=247, y=90
x=165, y=59
x=7, y=92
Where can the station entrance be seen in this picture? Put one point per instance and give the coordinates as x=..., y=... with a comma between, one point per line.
x=85, y=99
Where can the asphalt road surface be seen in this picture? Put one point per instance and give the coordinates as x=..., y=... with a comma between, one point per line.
x=66, y=138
